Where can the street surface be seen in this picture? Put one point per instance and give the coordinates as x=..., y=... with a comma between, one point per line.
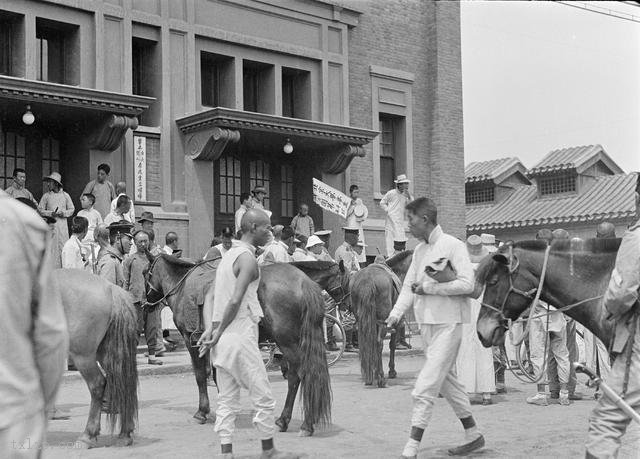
x=367, y=422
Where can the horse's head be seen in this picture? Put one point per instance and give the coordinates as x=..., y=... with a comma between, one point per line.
x=338, y=286
x=509, y=290
x=153, y=283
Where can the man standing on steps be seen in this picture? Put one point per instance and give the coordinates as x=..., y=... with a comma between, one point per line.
x=393, y=203
x=232, y=332
x=440, y=308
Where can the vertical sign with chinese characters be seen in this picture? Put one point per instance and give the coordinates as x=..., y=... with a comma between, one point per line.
x=140, y=168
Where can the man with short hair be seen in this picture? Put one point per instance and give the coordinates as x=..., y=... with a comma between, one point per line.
x=220, y=248
x=278, y=250
x=257, y=200
x=346, y=252
x=121, y=190
x=393, y=203
x=121, y=212
x=134, y=282
x=440, y=308
x=606, y=230
x=74, y=254
x=115, y=242
x=93, y=216
x=171, y=243
x=102, y=189
x=17, y=189
x=33, y=328
x=232, y=315
x=302, y=223
x=245, y=204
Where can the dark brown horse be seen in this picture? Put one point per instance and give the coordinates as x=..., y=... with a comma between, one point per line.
x=373, y=294
x=293, y=316
x=103, y=338
x=577, y=271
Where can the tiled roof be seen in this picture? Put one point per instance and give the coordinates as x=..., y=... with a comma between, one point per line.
x=611, y=197
x=480, y=171
x=572, y=158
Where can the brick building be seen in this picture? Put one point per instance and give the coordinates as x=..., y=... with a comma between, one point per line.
x=572, y=188
x=192, y=101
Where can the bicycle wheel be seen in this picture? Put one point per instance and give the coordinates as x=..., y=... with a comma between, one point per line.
x=334, y=339
x=267, y=352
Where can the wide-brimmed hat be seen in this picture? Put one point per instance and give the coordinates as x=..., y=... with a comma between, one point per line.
x=489, y=241
x=351, y=229
x=477, y=251
x=313, y=240
x=402, y=178
x=359, y=210
x=55, y=176
x=146, y=216
x=260, y=189
x=322, y=233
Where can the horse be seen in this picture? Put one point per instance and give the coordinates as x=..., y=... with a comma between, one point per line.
x=103, y=339
x=577, y=276
x=293, y=316
x=373, y=294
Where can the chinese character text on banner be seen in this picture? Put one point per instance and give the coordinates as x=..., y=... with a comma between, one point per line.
x=140, y=168
x=330, y=199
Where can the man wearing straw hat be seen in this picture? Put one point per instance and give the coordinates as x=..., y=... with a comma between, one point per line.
x=57, y=203
x=393, y=204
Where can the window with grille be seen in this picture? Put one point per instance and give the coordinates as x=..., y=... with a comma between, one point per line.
x=557, y=184
x=230, y=178
x=12, y=154
x=259, y=176
x=50, y=156
x=388, y=149
x=478, y=195
x=286, y=176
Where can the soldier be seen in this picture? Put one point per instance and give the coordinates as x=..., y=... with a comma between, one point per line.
x=346, y=252
x=115, y=242
x=608, y=422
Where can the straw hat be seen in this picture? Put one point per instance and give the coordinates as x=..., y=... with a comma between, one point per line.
x=260, y=189
x=402, y=178
x=54, y=176
x=313, y=240
x=359, y=210
x=477, y=251
x=489, y=241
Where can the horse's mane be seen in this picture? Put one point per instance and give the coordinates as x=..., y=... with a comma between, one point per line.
x=314, y=265
x=177, y=262
x=398, y=258
x=594, y=245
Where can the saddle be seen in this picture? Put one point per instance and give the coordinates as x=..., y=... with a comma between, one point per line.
x=397, y=284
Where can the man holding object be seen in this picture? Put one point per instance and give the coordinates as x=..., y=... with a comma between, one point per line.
x=440, y=308
x=233, y=311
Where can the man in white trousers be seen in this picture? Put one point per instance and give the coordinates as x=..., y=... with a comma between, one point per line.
x=232, y=332
x=440, y=308
x=393, y=203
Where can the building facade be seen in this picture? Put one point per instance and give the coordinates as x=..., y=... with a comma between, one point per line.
x=192, y=101
x=572, y=188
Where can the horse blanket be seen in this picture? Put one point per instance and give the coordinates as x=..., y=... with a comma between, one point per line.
x=194, y=290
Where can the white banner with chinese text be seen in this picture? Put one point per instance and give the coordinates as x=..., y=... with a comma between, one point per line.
x=330, y=199
x=140, y=168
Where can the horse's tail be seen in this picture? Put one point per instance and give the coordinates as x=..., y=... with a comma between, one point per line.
x=119, y=348
x=314, y=371
x=365, y=296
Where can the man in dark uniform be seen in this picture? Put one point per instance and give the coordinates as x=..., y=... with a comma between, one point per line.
x=115, y=243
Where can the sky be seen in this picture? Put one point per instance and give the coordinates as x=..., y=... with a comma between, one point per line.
x=538, y=76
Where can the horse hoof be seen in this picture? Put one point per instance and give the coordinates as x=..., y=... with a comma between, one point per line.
x=85, y=443
x=124, y=440
x=200, y=418
x=382, y=383
x=282, y=424
x=305, y=433
x=368, y=383
x=392, y=374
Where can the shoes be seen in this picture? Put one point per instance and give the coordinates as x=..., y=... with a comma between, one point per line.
x=538, y=399
x=487, y=402
x=402, y=345
x=158, y=353
x=467, y=447
x=554, y=395
x=501, y=388
x=71, y=367
x=154, y=362
x=576, y=396
x=350, y=348
x=597, y=395
x=565, y=398
x=331, y=347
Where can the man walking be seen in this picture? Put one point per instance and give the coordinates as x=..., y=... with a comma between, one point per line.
x=17, y=188
x=102, y=189
x=608, y=422
x=232, y=332
x=33, y=323
x=440, y=308
x=393, y=203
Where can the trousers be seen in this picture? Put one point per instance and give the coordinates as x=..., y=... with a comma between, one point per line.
x=607, y=422
x=24, y=439
x=239, y=365
x=557, y=349
x=572, y=347
x=438, y=375
x=149, y=322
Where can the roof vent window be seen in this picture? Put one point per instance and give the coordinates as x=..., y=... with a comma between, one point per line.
x=480, y=195
x=557, y=184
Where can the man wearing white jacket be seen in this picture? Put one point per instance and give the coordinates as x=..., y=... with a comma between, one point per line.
x=393, y=203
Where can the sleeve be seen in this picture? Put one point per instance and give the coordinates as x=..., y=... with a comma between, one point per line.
x=622, y=292
x=366, y=212
x=50, y=334
x=112, y=189
x=405, y=299
x=43, y=206
x=99, y=219
x=464, y=283
x=112, y=207
x=238, y=220
x=126, y=271
x=384, y=202
x=88, y=188
x=67, y=257
x=294, y=224
x=70, y=208
x=312, y=227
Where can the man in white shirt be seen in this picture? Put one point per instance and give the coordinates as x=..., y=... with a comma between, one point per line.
x=121, y=190
x=245, y=204
x=393, y=203
x=347, y=252
x=278, y=250
x=171, y=243
x=440, y=308
x=121, y=212
x=74, y=254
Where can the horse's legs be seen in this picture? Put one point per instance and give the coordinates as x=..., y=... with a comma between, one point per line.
x=392, y=355
x=89, y=370
x=200, y=369
x=294, y=382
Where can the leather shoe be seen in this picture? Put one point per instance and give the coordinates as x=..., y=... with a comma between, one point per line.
x=467, y=447
x=576, y=396
x=155, y=362
x=402, y=345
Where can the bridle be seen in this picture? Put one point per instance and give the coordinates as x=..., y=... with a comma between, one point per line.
x=344, y=290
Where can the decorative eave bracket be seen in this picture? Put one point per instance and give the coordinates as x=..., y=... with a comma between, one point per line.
x=207, y=134
x=109, y=135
